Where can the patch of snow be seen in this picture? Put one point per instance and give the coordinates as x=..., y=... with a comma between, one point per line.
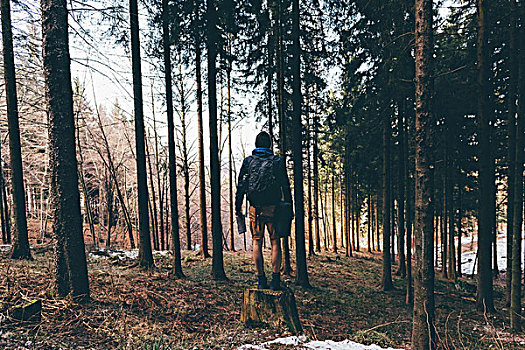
x=5, y=247
x=123, y=254
x=112, y=253
x=303, y=343
x=163, y=253
x=468, y=258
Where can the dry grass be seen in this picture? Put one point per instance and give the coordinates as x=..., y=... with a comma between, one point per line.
x=133, y=308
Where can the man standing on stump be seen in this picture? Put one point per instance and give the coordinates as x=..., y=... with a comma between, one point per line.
x=264, y=181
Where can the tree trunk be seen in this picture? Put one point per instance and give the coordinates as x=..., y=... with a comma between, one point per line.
x=270, y=63
x=518, y=73
x=202, y=175
x=444, y=220
x=315, y=157
x=6, y=233
x=511, y=133
x=212, y=38
x=351, y=208
x=409, y=218
x=300, y=253
x=484, y=299
x=334, y=224
x=357, y=219
x=145, y=253
x=515, y=294
x=160, y=187
x=377, y=207
x=7, y=212
x=423, y=331
x=436, y=239
x=109, y=206
x=185, y=156
x=373, y=220
x=152, y=199
x=70, y=256
x=392, y=219
x=174, y=208
x=346, y=179
x=311, y=251
x=386, y=280
x=287, y=267
x=230, y=150
x=21, y=243
x=459, y=227
x=324, y=213
x=401, y=203
x=450, y=212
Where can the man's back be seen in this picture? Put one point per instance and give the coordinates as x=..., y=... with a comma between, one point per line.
x=263, y=179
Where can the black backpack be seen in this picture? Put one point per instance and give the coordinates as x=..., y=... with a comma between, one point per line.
x=263, y=186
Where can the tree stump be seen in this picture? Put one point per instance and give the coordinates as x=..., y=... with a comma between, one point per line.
x=276, y=309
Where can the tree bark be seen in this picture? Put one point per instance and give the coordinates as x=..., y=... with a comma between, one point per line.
x=70, y=256
x=377, y=208
x=423, y=331
x=185, y=156
x=315, y=157
x=347, y=200
x=152, y=199
x=511, y=133
x=459, y=227
x=20, y=248
x=357, y=217
x=444, y=222
x=401, y=203
x=334, y=223
x=484, y=298
x=6, y=233
x=515, y=293
x=409, y=218
x=287, y=267
x=518, y=73
x=202, y=176
x=174, y=208
x=311, y=246
x=145, y=253
x=212, y=39
x=386, y=279
x=230, y=150
x=450, y=212
x=300, y=253
x=160, y=187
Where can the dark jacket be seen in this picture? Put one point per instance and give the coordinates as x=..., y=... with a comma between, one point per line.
x=281, y=176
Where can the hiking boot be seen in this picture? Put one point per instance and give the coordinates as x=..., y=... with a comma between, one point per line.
x=262, y=283
x=275, y=284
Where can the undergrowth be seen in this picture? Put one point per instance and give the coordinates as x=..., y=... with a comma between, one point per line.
x=132, y=308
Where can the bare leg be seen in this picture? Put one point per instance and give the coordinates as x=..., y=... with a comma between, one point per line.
x=276, y=255
x=258, y=256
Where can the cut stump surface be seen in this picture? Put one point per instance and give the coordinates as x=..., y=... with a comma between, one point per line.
x=276, y=309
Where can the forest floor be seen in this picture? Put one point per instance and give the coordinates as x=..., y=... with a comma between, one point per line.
x=132, y=308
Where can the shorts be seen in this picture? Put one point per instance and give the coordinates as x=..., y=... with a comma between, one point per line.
x=261, y=218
